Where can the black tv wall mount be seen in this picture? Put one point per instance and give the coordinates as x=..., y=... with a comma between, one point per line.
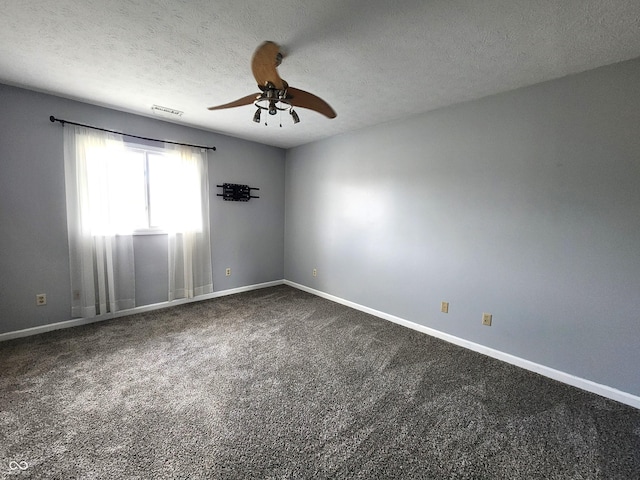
x=234, y=192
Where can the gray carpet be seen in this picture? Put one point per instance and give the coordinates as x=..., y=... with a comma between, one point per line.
x=280, y=384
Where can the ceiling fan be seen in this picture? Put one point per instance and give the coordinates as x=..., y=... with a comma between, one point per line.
x=275, y=94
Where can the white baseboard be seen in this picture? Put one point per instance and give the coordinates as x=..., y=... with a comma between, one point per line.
x=588, y=385
x=146, y=308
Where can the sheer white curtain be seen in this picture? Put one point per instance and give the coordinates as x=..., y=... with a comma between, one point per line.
x=189, y=238
x=101, y=262
x=114, y=190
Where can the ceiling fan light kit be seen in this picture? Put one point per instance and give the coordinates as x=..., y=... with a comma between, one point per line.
x=273, y=101
x=275, y=94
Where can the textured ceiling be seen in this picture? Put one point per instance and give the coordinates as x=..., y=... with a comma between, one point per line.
x=372, y=60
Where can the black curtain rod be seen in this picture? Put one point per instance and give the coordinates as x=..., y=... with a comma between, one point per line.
x=54, y=119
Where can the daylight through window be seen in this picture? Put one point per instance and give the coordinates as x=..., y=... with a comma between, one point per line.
x=137, y=190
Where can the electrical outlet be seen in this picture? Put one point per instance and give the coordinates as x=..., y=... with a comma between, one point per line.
x=486, y=319
x=315, y=272
x=41, y=299
x=227, y=272
x=444, y=307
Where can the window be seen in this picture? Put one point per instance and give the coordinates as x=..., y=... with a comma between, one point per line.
x=135, y=189
x=158, y=184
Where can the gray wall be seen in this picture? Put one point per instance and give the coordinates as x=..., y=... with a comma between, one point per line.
x=525, y=205
x=248, y=237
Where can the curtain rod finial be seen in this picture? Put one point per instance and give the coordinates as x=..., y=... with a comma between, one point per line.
x=54, y=119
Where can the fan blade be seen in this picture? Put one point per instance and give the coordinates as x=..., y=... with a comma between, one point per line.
x=300, y=98
x=264, y=65
x=238, y=103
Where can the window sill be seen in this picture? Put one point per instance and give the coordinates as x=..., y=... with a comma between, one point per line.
x=149, y=232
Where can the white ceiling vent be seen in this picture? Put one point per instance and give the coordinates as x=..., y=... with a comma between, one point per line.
x=166, y=112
